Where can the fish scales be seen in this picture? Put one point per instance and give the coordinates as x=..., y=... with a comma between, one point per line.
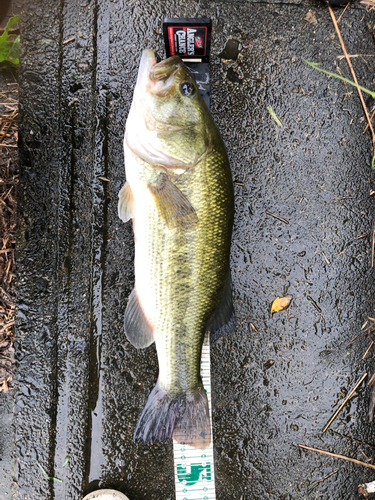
x=181, y=273
x=184, y=271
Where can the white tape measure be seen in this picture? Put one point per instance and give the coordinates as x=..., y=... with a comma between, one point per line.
x=194, y=468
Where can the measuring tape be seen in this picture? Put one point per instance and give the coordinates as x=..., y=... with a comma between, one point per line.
x=194, y=468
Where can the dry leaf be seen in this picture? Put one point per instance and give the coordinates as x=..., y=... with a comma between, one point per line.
x=281, y=303
x=311, y=17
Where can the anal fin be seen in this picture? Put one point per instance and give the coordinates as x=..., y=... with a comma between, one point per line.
x=138, y=329
x=223, y=321
x=126, y=206
x=172, y=204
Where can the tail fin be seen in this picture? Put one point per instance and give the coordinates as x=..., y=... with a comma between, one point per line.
x=183, y=416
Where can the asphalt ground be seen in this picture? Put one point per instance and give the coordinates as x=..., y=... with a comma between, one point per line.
x=79, y=385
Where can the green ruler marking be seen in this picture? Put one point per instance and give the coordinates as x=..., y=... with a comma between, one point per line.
x=194, y=468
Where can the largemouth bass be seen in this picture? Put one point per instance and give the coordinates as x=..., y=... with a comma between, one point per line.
x=179, y=192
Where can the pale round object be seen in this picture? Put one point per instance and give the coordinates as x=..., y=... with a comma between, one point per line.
x=106, y=495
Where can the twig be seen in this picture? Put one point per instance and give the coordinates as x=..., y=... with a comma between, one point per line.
x=315, y=483
x=353, y=439
x=343, y=198
x=368, y=350
x=73, y=38
x=6, y=326
x=8, y=105
x=353, y=74
x=347, y=90
x=343, y=12
x=277, y=217
x=366, y=457
x=357, y=337
x=310, y=299
x=372, y=380
x=372, y=117
x=336, y=455
x=372, y=398
x=369, y=3
x=344, y=402
x=367, y=331
x=356, y=55
x=325, y=258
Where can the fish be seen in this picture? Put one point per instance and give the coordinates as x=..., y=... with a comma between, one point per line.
x=179, y=194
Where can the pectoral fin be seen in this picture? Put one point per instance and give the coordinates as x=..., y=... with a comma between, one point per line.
x=138, y=329
x=126, y=206
x=172, y=204
x=223, y=321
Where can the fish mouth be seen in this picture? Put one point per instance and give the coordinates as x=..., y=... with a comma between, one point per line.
x=148, y=61
x=164, y=70
x=161, y=76
x=155, y=78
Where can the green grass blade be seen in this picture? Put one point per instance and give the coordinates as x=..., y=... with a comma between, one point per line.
x=47, y=476
x=44, y=472
x=273, y=114
x=315, y=66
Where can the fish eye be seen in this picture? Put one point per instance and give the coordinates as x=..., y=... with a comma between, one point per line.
x=187, y=88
